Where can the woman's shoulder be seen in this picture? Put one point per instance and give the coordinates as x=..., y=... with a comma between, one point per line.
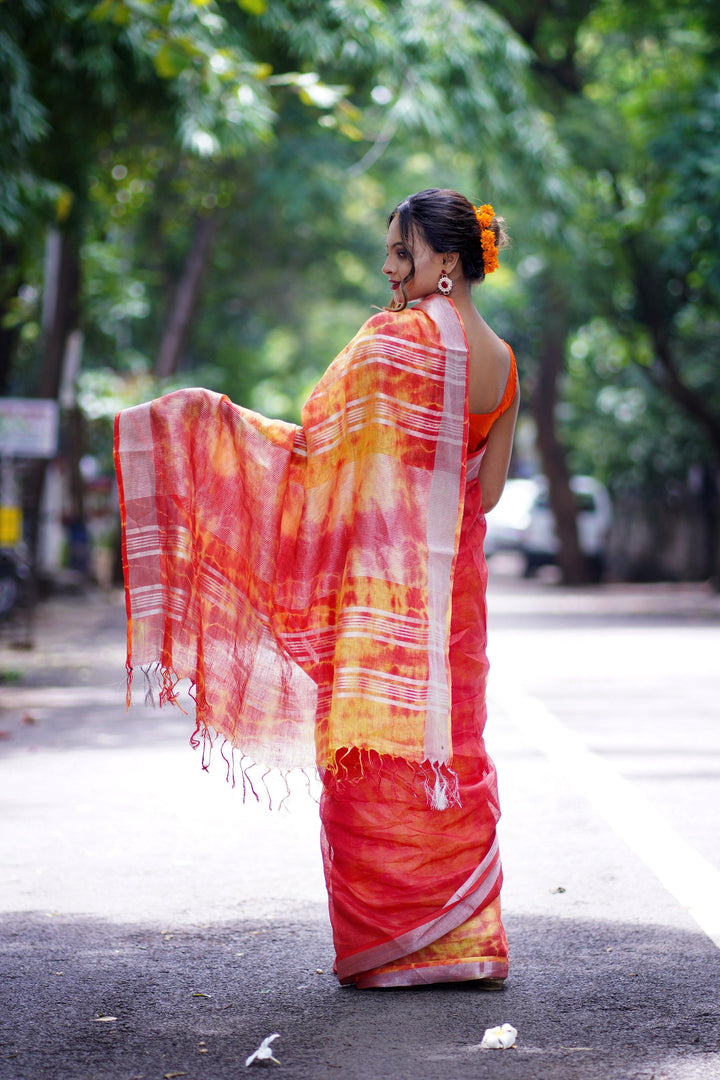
x=394, y=321
x=411, y=323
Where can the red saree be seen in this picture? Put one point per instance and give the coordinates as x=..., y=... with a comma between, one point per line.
x=415, y=895
x=322, y=588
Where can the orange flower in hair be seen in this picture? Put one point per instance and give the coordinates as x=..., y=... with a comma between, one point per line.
x=485, y=215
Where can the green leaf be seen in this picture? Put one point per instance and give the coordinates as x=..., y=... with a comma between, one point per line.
x=111, y=11
x=253, y=7
x=171, y=60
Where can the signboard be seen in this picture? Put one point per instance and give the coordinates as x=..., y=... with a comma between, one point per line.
x=28, y=427
x=10, y=526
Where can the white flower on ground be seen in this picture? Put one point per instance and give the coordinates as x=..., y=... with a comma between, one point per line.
x=499, y=1038
x=263, y=1052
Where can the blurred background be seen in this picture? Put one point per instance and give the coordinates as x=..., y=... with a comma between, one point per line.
x=195, y=192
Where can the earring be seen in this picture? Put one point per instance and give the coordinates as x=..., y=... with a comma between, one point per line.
x=445, y=284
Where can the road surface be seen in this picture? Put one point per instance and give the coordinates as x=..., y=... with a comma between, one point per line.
x=154, y=925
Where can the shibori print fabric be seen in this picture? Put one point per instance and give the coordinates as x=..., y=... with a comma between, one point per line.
x=300, y=576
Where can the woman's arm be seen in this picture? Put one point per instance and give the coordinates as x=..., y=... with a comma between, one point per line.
x=496, y=459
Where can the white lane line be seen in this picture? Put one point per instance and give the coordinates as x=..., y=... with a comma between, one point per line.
x=687, y=875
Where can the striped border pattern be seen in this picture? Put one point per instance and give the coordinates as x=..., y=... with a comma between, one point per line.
x=469, y=898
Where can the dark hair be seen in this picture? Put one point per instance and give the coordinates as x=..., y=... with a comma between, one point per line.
x=446, y=221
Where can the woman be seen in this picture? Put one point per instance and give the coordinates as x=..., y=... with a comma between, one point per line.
x=323, y=588
x=414, y=893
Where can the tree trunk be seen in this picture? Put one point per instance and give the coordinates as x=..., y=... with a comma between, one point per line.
x=573, y=565
x=710, y=496
x=186, y=296
x=649, y=292
x=60, y=313
x=9, y=283
x=59, y=318
x=666, y=376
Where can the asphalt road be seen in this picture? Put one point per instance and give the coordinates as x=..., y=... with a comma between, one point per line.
x=153, y=925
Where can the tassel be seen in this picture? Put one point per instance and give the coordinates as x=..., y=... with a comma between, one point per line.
x=445, y=791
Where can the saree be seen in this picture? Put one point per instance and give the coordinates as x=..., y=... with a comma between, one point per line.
x=415, y=895
x=309, y=581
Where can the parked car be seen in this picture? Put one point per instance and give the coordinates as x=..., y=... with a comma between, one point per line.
x=507, y=522
x=523, y=521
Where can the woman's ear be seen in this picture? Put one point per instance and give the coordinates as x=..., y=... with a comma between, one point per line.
x=451, y=260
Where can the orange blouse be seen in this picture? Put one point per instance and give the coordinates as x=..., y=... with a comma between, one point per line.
x=480, y=423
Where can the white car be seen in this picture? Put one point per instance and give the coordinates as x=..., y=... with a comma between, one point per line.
x=523, y=521
x=508, y=520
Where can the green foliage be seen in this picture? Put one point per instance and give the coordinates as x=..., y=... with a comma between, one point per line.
x=227, y=77
x=633, y=95
x=618, y=425
x=592, y=125
x=23, y=123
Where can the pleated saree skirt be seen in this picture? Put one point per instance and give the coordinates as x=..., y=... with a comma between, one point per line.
x=414, y=892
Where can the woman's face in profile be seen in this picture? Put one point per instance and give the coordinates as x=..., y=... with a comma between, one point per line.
x=398, y=264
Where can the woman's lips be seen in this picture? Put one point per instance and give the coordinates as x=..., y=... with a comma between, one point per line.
x=394, y=284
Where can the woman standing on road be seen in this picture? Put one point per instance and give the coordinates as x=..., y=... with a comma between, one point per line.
x=323, y=587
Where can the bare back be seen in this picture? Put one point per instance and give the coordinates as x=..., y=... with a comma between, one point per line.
x=489, y=365
x=489, y=369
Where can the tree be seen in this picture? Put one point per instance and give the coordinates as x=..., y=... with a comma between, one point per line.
x=74, y=68
x=633, y=97
x=130, y=122
x=223, y=185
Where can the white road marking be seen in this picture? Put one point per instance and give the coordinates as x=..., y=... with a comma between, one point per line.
x=687, y=875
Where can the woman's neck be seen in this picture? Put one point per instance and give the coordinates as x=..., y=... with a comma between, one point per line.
x=462, y=298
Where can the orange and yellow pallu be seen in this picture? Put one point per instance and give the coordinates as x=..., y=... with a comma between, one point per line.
x=322, y=588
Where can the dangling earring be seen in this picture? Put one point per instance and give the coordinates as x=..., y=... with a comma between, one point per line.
x=445, y=284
